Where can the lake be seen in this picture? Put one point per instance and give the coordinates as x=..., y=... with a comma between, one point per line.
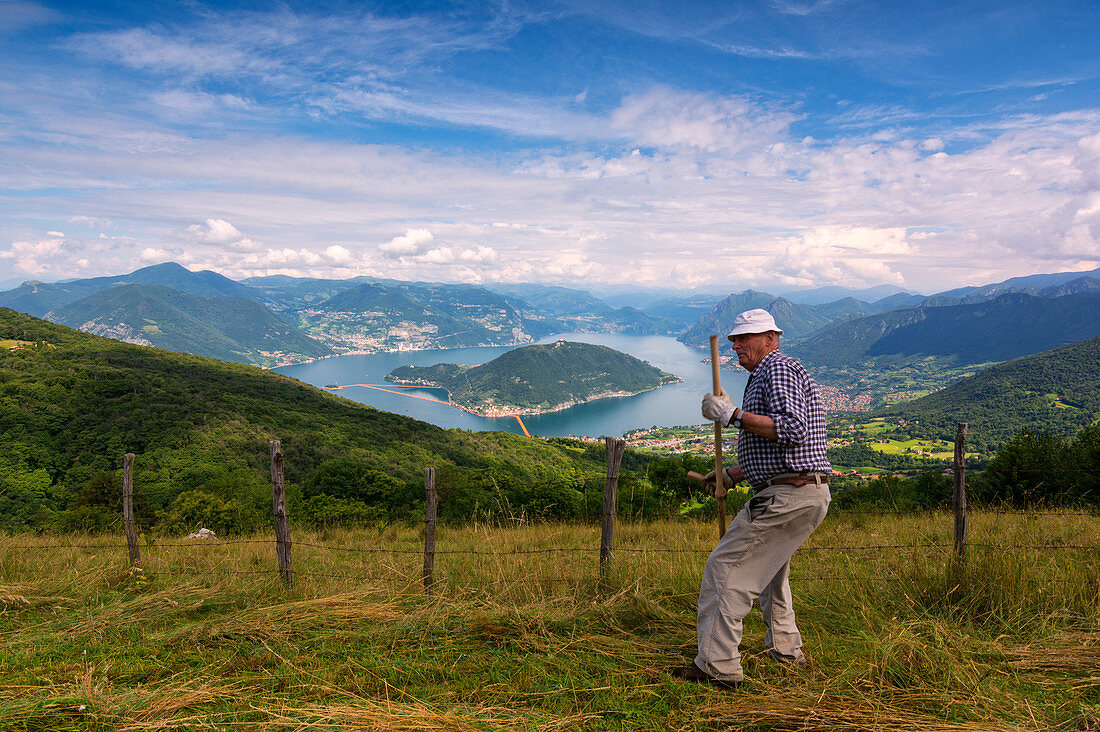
x=668, y=406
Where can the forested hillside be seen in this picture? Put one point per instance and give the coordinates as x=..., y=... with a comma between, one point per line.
x=538, y=378
x=1056, y=391
x=1009, y=326
x=71, y=404
x=227, y=328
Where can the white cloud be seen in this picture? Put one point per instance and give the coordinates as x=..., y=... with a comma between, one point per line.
x=216, y=231
x=715, y=180
x=151, y=254
x=199, y=103
x=38, y=248
x=18, y=14
x=223, y=233
x=440, y=255
x=286, y=257
x=571, y=265
x=89, y=221
x=55, y=233
x=50, y=259
x=338, y=254
x=413, y=241
x=298, y=51
x=794, y=7
x=481, y=255
x=156, y=51
x=849, y=240
x=665, y=117
x=1087, y=160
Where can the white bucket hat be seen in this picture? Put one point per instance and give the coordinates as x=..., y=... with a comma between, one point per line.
x=753, y=321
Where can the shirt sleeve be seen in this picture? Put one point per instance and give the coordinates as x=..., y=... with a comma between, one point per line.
x=788, y=405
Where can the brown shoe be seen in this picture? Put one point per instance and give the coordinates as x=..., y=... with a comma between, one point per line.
x=792, y=661
x=691, y=672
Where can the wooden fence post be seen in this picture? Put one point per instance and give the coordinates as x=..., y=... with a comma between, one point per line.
x=431, y=506
x=278, y=500
x=128, y=508
x=959, y=499
x=615, y=447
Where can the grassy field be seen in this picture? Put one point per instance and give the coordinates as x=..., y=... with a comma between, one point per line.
x=520, y=634
x=937, y=449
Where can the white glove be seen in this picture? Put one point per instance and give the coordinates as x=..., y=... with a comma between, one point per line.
x=718, y=408
x=711, y=484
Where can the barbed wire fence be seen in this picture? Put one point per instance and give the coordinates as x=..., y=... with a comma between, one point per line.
x=954, y=552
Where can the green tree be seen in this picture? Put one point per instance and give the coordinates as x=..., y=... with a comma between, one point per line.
x=356, y=480
x=1029, y=470
x=23, y=492
x=669, y=476
x=193, y=510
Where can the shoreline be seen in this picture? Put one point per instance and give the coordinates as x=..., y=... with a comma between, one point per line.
x=375, y=352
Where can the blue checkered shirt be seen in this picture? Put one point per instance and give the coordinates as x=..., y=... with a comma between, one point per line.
x=782, y=389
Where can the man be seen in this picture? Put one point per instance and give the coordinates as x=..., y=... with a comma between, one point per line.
x=781, y=453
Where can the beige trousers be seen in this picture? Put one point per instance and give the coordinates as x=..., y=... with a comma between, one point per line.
x=753, y=560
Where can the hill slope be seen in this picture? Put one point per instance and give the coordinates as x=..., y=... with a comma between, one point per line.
x=539, y=378
x=71, y=404
x=228, y=328
x=1057, y=390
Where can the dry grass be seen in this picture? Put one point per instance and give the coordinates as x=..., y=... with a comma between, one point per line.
x=784, y=709
x=519, y=635
x=1069, y=652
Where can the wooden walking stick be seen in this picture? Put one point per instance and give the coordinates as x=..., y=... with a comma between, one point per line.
x=719, y=479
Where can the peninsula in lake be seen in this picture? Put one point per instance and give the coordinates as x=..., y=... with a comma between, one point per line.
x=537, y=379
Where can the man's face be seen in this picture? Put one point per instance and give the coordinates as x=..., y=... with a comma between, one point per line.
x=751, y=348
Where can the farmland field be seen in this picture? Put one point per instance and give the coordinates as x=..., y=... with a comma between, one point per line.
x=521, y=634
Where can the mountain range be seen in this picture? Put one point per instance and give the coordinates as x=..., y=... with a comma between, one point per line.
x=1006, y=327
x=1031, y=284
x=822, y=295
x=797, y=320
x=302, y=318
x=38, y=298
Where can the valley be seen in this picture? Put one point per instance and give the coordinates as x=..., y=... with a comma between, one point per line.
x=867, y=354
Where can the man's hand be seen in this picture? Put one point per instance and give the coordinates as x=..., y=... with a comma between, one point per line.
x=711, y=484
x=718, y=408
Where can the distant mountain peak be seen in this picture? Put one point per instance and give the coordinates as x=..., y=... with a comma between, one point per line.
x=163, y=266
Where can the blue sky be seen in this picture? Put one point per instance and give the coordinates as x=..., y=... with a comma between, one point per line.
x=717, y=145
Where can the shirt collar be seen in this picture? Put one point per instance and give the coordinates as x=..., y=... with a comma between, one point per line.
x=765, y=360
